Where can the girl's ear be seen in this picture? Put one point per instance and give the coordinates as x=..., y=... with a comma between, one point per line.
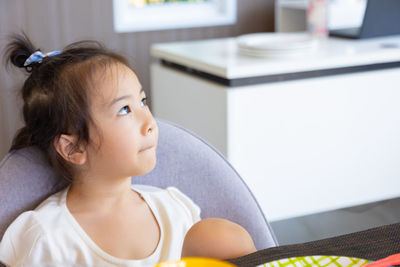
x=67, y=148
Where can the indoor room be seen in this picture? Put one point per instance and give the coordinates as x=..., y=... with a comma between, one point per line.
x=143, y=121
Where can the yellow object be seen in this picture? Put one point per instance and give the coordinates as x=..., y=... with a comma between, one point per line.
x=137, y=3
x=195, y=262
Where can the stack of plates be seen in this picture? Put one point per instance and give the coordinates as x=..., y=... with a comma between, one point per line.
x=276, y=44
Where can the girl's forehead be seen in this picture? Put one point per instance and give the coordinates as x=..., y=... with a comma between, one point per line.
x=113, y=81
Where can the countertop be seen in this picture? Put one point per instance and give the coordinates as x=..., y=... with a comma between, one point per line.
x=221, y=57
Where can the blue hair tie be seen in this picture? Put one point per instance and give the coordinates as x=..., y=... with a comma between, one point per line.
x=38, y=56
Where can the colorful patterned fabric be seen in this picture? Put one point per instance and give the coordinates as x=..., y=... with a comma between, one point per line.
x=317, y=261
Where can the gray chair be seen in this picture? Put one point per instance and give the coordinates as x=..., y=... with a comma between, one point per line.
x=183, y=160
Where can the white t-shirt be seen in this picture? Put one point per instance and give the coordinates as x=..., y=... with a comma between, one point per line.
x=50, y=235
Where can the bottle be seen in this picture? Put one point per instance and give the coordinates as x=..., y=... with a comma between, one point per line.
x=317, y=18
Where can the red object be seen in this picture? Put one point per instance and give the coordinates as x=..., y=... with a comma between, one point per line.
x=389, y=261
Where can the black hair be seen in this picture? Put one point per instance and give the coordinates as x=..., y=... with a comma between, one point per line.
x=55, y=94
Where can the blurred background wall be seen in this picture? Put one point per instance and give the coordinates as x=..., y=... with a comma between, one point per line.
x=53, y=24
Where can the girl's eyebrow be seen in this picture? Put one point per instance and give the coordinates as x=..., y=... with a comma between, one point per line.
x=124, y=97
x=119, y=99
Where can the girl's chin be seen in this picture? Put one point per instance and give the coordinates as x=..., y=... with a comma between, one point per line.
x=148, y=166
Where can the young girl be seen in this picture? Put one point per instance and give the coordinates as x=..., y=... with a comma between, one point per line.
x=85, y=109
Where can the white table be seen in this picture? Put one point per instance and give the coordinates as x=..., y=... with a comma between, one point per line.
x=307, y=134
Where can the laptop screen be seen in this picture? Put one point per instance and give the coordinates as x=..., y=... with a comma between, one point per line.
x=382, y=17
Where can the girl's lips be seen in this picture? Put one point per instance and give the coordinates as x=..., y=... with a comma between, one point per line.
x=146, y=148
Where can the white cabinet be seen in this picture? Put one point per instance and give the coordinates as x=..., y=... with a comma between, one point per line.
x=306, y=134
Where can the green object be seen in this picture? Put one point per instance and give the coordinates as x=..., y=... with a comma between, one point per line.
x=318, y=261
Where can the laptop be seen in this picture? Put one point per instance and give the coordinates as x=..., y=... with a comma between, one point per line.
x=381, y=18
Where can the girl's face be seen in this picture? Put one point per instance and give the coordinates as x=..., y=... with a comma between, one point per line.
x=124, y=140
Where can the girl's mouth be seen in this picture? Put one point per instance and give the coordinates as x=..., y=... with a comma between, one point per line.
x=146, y=148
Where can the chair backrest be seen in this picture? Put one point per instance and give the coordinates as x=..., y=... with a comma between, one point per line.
x=183, y=160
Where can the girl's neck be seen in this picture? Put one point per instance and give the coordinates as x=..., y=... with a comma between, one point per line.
x=106, y=194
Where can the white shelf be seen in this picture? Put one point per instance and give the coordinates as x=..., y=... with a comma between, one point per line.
x=291, y=15
x=295, y=4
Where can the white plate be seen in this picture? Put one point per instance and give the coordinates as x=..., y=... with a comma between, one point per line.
x=277, y=41
x=275, y=54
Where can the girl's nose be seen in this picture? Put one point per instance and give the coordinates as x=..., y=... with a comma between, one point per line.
x=149, y=124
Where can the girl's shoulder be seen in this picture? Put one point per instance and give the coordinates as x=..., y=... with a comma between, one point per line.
x=190, y=207
x=170, y=198
x=47, y=209
x=23, y=232
x=29, y=232
x=169, y=193
x=34, y=223
x=27, y=223
x=141, y=188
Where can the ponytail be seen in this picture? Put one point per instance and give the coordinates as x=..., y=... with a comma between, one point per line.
x=18, y=51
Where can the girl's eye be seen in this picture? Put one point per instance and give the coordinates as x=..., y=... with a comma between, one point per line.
x=125, y=110
x=143, y=102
